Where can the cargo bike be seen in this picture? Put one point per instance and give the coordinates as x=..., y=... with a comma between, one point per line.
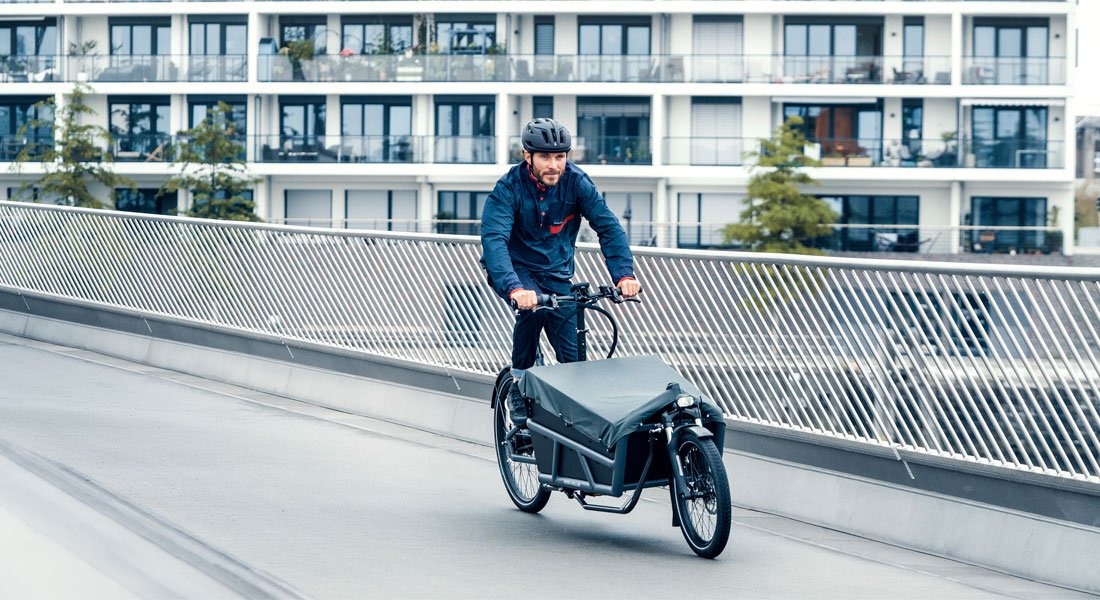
x=612, y=427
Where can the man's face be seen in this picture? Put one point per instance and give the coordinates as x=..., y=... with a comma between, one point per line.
x=547, y=167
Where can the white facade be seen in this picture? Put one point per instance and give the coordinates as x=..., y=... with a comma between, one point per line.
x=664, y=98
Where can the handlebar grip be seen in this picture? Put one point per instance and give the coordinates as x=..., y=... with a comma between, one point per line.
x=545, y=300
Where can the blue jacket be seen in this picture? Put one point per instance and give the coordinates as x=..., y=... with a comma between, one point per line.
x=529, y=232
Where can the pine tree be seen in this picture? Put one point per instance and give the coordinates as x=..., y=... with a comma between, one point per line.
x=780, y=217
x=76, y=157
x=212, y=167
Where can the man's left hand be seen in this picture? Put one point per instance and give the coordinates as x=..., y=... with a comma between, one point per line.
x=630, y=287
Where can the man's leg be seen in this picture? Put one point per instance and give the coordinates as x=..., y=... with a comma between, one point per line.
x=525, y=342
x=561, y=328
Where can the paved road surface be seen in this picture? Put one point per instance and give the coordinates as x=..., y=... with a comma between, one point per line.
x=291, y=498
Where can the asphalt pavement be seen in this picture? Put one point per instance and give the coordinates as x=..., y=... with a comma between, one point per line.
x=213, y=490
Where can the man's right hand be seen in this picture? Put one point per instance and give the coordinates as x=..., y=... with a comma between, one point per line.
x=525, y=299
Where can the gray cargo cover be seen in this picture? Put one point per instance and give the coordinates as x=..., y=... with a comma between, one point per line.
x=606, y=400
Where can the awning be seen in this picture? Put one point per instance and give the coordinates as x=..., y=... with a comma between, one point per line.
x=1013, y=102
x=819, y=100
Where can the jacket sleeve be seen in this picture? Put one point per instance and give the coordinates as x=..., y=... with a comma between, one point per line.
x=613, y=241
x=497, y=219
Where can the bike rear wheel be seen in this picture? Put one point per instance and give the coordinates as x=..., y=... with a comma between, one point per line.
x=704, y=508
x=516, y=458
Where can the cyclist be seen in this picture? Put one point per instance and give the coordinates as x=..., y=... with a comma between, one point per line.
x=528, y=235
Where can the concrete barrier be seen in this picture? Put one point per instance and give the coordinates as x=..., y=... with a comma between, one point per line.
x=1039, y=527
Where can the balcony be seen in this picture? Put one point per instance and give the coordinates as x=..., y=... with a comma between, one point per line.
x=29, y=69
x=386, y=67
x=150, y=147
x=339, y=149
x=12, y=145
x=160, y=67
x=993, y=70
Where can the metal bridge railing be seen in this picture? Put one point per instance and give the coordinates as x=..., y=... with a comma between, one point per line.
x=981, y=363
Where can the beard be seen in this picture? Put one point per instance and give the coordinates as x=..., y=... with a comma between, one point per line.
x=546, y=174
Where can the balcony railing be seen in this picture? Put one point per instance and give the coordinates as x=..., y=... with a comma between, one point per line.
x=159, y=67
x=942, y=153
x=29, y=69
x=695, y=68
x=346, y=149
x=602, y=150
x=994, y=70
x=12, y=145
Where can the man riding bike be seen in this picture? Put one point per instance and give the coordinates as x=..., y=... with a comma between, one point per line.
x=528, y=236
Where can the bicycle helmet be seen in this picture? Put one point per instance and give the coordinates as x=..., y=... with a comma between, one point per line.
x=546, y=135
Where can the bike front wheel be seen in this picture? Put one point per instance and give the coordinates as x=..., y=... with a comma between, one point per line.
x=516, y=459
x=704, y=507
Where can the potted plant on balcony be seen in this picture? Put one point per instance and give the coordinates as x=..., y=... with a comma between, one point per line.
x=1052, y=242
x=833, y=159
x=298, y=51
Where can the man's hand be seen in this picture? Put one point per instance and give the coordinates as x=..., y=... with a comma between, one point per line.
x=630, y=287
x=524, y=299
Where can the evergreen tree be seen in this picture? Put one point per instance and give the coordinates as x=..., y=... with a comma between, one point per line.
x=780, y=217
x=76, y=157
x=212, y=166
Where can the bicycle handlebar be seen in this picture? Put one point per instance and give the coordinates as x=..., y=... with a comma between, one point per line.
x=581, y=295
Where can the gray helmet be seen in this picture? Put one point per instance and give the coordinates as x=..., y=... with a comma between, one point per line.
x=546, y=135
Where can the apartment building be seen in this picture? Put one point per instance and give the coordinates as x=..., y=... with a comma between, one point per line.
x=941, y=126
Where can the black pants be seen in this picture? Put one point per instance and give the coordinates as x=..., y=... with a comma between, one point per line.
x=560, y=325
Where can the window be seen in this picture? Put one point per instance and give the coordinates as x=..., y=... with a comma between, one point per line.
x=1010, y=51
x=17, y=112
x=912, y=67
x=146, y=200
x=822, y=51
x=466, y=34
x=200, y=106
x=392, y=210
x=311, y=208
x=139, y=125
x=461, y=206
x=842, y=130
x=464, y=127
x=912, y=130
x=377, y=35
x=614, y=49
x=302, y=123
x=715, y=131
x=880, y=224
x=1008, y=212
x=702, y=217
x=613, y=130
x=1010, y=137
x=717, y=46
x=221, y=41
x=297, y=29
x=544, y=35
x=376, y=129
x=542, y=106
x=635, y=212
x=28, y=38
x=140, y=37
x=35, y=45
x=226, y=36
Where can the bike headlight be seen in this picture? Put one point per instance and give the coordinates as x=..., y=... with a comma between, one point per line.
x=685, y=401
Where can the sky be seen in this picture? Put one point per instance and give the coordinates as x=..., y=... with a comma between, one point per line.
x=1088, y=65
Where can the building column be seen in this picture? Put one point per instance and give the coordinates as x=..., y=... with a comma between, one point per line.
x=253, y=49
x=503, y=132
x=955, y=217
x=426, y=204
x=956, y=48
x=662, y=213
x=657, y=128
